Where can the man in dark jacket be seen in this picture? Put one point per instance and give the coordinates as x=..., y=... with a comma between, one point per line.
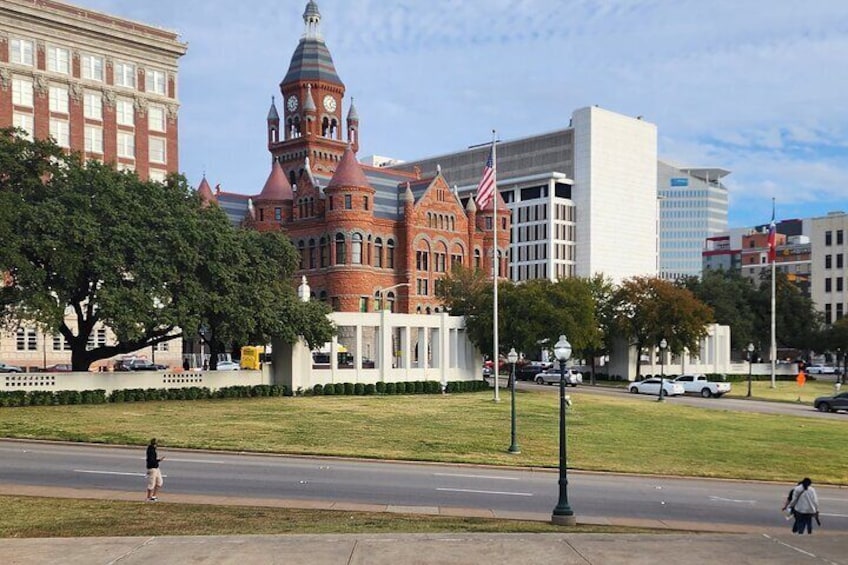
x=154, y=475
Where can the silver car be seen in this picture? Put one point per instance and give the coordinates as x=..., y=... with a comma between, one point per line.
x=551, y=376
x=4, y=368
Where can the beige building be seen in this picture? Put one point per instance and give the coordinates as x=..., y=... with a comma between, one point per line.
x=829, y=267
x=95, y=83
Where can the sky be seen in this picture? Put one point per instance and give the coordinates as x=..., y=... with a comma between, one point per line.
x=758, y=87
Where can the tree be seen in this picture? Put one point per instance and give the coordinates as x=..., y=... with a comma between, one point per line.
x=797, y=323
x=603, y=295
x=731, y=296
x=649, y=309
x=142, y=258
x=836, y=339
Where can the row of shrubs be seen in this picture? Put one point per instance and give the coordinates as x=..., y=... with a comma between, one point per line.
x=411, y=387
x=66, y=397
x=99, y=396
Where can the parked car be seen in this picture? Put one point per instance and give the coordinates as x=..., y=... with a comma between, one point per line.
x=552, y=376
x=59, y=368
x=4, y=368
x=528, y=371
x=820, y=370
x=652, y=386
x=136, y=365
x=832, y=403
x=700, y=384
x=227, y=366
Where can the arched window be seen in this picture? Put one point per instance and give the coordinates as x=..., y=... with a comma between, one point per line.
x=312, y=254
x=325, y=126
x=378, y=252
x=378, y=301
x=325, y=252
x=341, y=259
x=390, y=298
x=390, y=254
x=355, y=249
x=291, y=177
x=477, y=263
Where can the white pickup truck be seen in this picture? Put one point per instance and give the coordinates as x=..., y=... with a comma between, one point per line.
x=700, y=384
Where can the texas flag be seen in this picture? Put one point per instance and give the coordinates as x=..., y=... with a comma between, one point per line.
x=772, y=239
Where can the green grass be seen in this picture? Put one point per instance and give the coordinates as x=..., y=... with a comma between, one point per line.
x=32, y=517
x=619, y=434
x=784, y=391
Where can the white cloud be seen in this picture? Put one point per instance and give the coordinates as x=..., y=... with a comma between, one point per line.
x=754, y=86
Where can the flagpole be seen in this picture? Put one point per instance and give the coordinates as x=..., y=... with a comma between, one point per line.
x=497, y=358
x=773, y=258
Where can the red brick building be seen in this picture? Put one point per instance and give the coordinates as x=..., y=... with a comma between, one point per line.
x=98, y=84
x=365, y=234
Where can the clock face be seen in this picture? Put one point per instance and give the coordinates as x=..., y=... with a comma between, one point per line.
x=329, y=103
x=292, y=103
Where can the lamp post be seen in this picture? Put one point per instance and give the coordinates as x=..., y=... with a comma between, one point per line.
x=562, y=515
x=382, y=293
x=512, y=357
x=663, y=345
x=750, y=362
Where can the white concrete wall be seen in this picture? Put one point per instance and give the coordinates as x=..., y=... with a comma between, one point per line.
x=615, y=191
x=110, y=381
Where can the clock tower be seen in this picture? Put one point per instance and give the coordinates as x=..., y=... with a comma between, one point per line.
x=312, y=104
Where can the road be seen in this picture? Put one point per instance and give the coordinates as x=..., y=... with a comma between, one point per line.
x=515, y=493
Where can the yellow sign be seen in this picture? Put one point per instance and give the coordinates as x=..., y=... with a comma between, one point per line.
x=250, y=355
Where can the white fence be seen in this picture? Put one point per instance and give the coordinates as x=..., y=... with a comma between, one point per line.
x=110, y=381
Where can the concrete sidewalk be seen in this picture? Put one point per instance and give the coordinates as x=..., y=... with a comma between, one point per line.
x=448, y=549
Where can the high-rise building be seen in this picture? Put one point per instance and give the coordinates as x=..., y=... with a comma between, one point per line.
x=829, y=259
x=693, y=208
x=583, y=199
x=95, y=83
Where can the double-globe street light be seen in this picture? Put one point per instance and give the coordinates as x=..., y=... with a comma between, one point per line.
x=562, y=515
x=663, y=345
x=750, y=362
x=512, y=357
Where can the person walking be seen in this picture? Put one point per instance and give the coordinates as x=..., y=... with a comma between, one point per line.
x=154, y=475
x=805, y=506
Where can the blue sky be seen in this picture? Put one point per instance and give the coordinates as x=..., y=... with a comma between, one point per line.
x=754, y=86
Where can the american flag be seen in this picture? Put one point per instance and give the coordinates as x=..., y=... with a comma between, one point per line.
x=486, y=187
x=772, y=240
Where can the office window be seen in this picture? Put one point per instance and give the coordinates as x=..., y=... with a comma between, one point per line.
x=839, y=237
x=839, y=260
x=155, y=82
x=390, y=254
x=92, y=67
x=24, y=122
x=59, y=99
x=22, y=92
x=828, y=286
x=125, y=112
x=92, y=105
x=340, y=249
x=157, y=175
x=348, y=201
x=124, y=75
x=60, y=343
x=278, y=214
x=828, y=261
x=828, y=313
x=839, y=287
x=126, y=145
x=356, y=249
x=125, y=167
x=26, y=340
x=58, y=60
x=828, y=237
x=156, y=118
x=378, y=252
x=60, y=132
x=422, y=260
x=21, y=52
x=157, y=150
x=423, y=287
x=93, y=139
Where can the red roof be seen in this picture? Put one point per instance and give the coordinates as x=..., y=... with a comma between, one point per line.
x=277, y=186
x=349, y=172
x=205, y=191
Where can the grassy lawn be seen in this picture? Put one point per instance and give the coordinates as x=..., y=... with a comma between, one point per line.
x=784, y=391
x=31, y=517
x=621, y=434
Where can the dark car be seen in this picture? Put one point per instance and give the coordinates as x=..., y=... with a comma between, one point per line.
x=135, y=365
x=528, y=371
x=832, y=403
x=59, y=368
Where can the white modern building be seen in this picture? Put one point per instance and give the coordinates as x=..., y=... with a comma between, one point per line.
x=693, y=208
x=583, y=199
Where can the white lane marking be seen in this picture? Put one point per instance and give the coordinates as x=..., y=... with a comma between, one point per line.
x=113, y=473
x=833, y=515
x=485, y=491
x=475, y=476
x=720, y=499
x=784, y=544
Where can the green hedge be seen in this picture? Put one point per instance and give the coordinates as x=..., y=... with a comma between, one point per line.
x=17, y=398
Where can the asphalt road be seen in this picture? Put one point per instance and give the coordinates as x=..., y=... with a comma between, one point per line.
x=516, y=493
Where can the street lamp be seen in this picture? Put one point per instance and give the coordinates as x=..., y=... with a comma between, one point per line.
x=512, y=357
x=750, y=362
x=663, y=345
x=562, y=515
x=382, y=293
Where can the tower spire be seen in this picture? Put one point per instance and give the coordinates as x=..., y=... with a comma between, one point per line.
x=312, y=20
